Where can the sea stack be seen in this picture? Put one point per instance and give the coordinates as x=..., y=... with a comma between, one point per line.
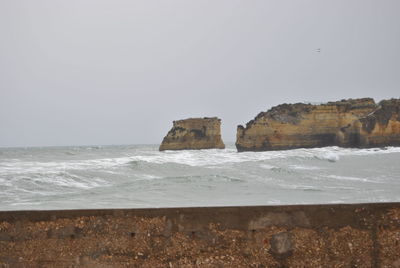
x=194, y=134
x=345, y=123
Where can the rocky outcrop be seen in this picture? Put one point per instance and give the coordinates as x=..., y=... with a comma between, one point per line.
x=194, y=133
x=346, y=123
x=380, y=128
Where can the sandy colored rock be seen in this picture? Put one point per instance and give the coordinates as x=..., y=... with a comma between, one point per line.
x=345, y=123
x=194, y=133
x=382, y=127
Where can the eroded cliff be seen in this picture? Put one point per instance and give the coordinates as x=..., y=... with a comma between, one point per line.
x=194, y=133
x=346, y=123
x=382, y=127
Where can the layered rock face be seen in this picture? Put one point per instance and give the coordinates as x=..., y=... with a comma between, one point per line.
x=194, y=133
x=346, y=123
x=380, y=128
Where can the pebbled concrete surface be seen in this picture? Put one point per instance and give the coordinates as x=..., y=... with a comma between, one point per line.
x=357, y=235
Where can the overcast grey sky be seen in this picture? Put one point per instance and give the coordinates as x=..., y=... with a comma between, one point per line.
x=118, y=72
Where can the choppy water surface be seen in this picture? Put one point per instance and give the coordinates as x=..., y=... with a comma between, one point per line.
x=141, y=176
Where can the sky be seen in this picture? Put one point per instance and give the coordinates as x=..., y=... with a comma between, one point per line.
x=119, y=72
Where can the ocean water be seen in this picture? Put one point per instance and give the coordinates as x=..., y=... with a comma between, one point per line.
x=139, y=176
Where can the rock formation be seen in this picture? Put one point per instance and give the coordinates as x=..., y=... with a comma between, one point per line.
x=346, y=123
x=380, y=128
x=194, y=133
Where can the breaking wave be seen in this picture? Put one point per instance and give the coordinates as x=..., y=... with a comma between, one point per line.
x=134, y=176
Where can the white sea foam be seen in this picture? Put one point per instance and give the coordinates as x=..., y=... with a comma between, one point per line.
x=58, y=166
x=149, y=177
x=191, y=158
x=329, y=155
x=348, y=178
x=143, y=176
x=265, y=166
x=71, y=181
x=230, y=156
x=303, y=167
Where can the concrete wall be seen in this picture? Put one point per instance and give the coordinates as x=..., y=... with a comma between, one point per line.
x=365, y=235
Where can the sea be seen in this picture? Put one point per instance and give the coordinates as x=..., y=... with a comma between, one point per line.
x=139, y=176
